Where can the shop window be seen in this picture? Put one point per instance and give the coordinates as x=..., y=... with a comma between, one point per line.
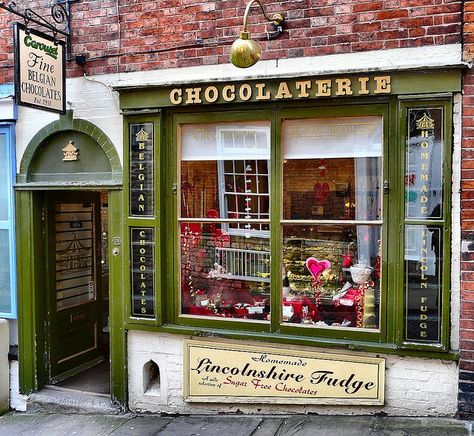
x=316, y=223
x=225, y=249
x=332, y=176
x=7, y=263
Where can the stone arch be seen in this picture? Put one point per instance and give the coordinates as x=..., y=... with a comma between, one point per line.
x=67, y=123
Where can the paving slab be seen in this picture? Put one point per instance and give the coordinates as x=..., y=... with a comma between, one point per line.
x=211, y=425
x=19, y=423
x=268, y=427
x=371, y=426
x=148, y=425
x=61, y=425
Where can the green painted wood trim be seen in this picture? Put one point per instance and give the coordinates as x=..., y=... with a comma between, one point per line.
x=389, y=339
x=67, y=122
x=134, y=221
x=402, y=82
x=118, y=340
x=446, y=104
x=31, y=316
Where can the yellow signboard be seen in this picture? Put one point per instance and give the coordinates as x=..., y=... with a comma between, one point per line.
x=39, y=70
x=224, y=372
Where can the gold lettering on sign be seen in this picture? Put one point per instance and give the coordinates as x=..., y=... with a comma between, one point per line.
x=303, y=88
x=382, y=85
x=343, y=87
x=194, y=95
x=211, y=94
x=228, y=93
x=143, y=271
x=142, y=137
x=175, y=96
x=363, y=89
x=323, y=88
x=261, y=95
x=290, y=89
x=423, y=326
x=245, y=92
x=283, y=91
x=424, y=124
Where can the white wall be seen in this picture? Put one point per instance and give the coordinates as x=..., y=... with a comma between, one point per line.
x=414, y=387
x=4, y=373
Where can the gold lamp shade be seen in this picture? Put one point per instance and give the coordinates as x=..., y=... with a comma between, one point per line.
x=245, y=52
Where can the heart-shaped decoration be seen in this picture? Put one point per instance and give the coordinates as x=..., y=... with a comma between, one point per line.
x=317, y=267
x=321, y=192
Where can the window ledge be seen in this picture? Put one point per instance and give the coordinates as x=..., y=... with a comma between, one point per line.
x=357, y=346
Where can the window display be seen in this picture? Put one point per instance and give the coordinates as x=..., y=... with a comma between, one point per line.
x=332, y=181
x=224, y=221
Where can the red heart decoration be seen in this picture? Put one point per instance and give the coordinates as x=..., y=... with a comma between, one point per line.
x=317, y=267
x=321, y=191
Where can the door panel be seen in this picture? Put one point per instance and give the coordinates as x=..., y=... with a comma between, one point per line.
x=74, y=290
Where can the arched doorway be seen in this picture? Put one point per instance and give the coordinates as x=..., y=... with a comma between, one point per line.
x=68, y=188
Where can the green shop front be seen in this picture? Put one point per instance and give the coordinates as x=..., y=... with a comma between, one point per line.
x=276, y=245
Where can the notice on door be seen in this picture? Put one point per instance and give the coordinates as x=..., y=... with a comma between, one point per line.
x=39, y=70
x=223, y=372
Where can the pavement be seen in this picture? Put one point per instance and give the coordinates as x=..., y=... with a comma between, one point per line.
x=39, y=423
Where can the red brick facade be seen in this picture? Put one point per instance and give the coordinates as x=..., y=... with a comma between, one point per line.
x=132, y=35
x=466, y=374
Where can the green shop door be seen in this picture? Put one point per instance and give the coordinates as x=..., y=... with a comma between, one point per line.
x=74, y=282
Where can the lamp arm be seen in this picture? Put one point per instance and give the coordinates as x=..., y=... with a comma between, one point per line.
x=277, y=18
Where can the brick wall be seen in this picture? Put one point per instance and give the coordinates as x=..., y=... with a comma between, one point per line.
x=132, y=35
x=466, y=374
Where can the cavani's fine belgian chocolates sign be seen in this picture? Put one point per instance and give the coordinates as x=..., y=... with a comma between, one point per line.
x=39, y=70
x=218, y=372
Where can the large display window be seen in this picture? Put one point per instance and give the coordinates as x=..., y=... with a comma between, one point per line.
x=309, y=224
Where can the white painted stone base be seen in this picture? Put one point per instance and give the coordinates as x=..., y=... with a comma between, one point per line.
x=413, y=387
x=17, y=401
x=4, y=382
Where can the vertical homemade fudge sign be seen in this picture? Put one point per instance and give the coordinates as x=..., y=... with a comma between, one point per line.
x=141, y=170
x=40, y=74
x=142, y=253
x=424, y=164
x=423, y=284
x=219, y=372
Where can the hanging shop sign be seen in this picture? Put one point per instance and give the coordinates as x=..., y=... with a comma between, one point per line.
x=40, y=75
x=142, y=253
x=221, y=372
x=141, y=170
x=285, y=90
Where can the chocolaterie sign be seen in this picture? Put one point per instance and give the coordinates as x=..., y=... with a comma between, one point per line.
x=39, y=70
x=284, y=90
x=223, y=372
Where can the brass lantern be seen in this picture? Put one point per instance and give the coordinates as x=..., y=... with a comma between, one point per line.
x=246, y=52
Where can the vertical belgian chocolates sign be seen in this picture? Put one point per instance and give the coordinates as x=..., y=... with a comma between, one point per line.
x=142, y=253
x=40, y=77
x=141, y=170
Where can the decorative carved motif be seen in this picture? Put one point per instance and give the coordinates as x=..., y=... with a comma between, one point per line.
x=70, y=152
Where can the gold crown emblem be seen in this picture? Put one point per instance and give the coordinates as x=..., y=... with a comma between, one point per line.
x=142, y=136
x=424, y=123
